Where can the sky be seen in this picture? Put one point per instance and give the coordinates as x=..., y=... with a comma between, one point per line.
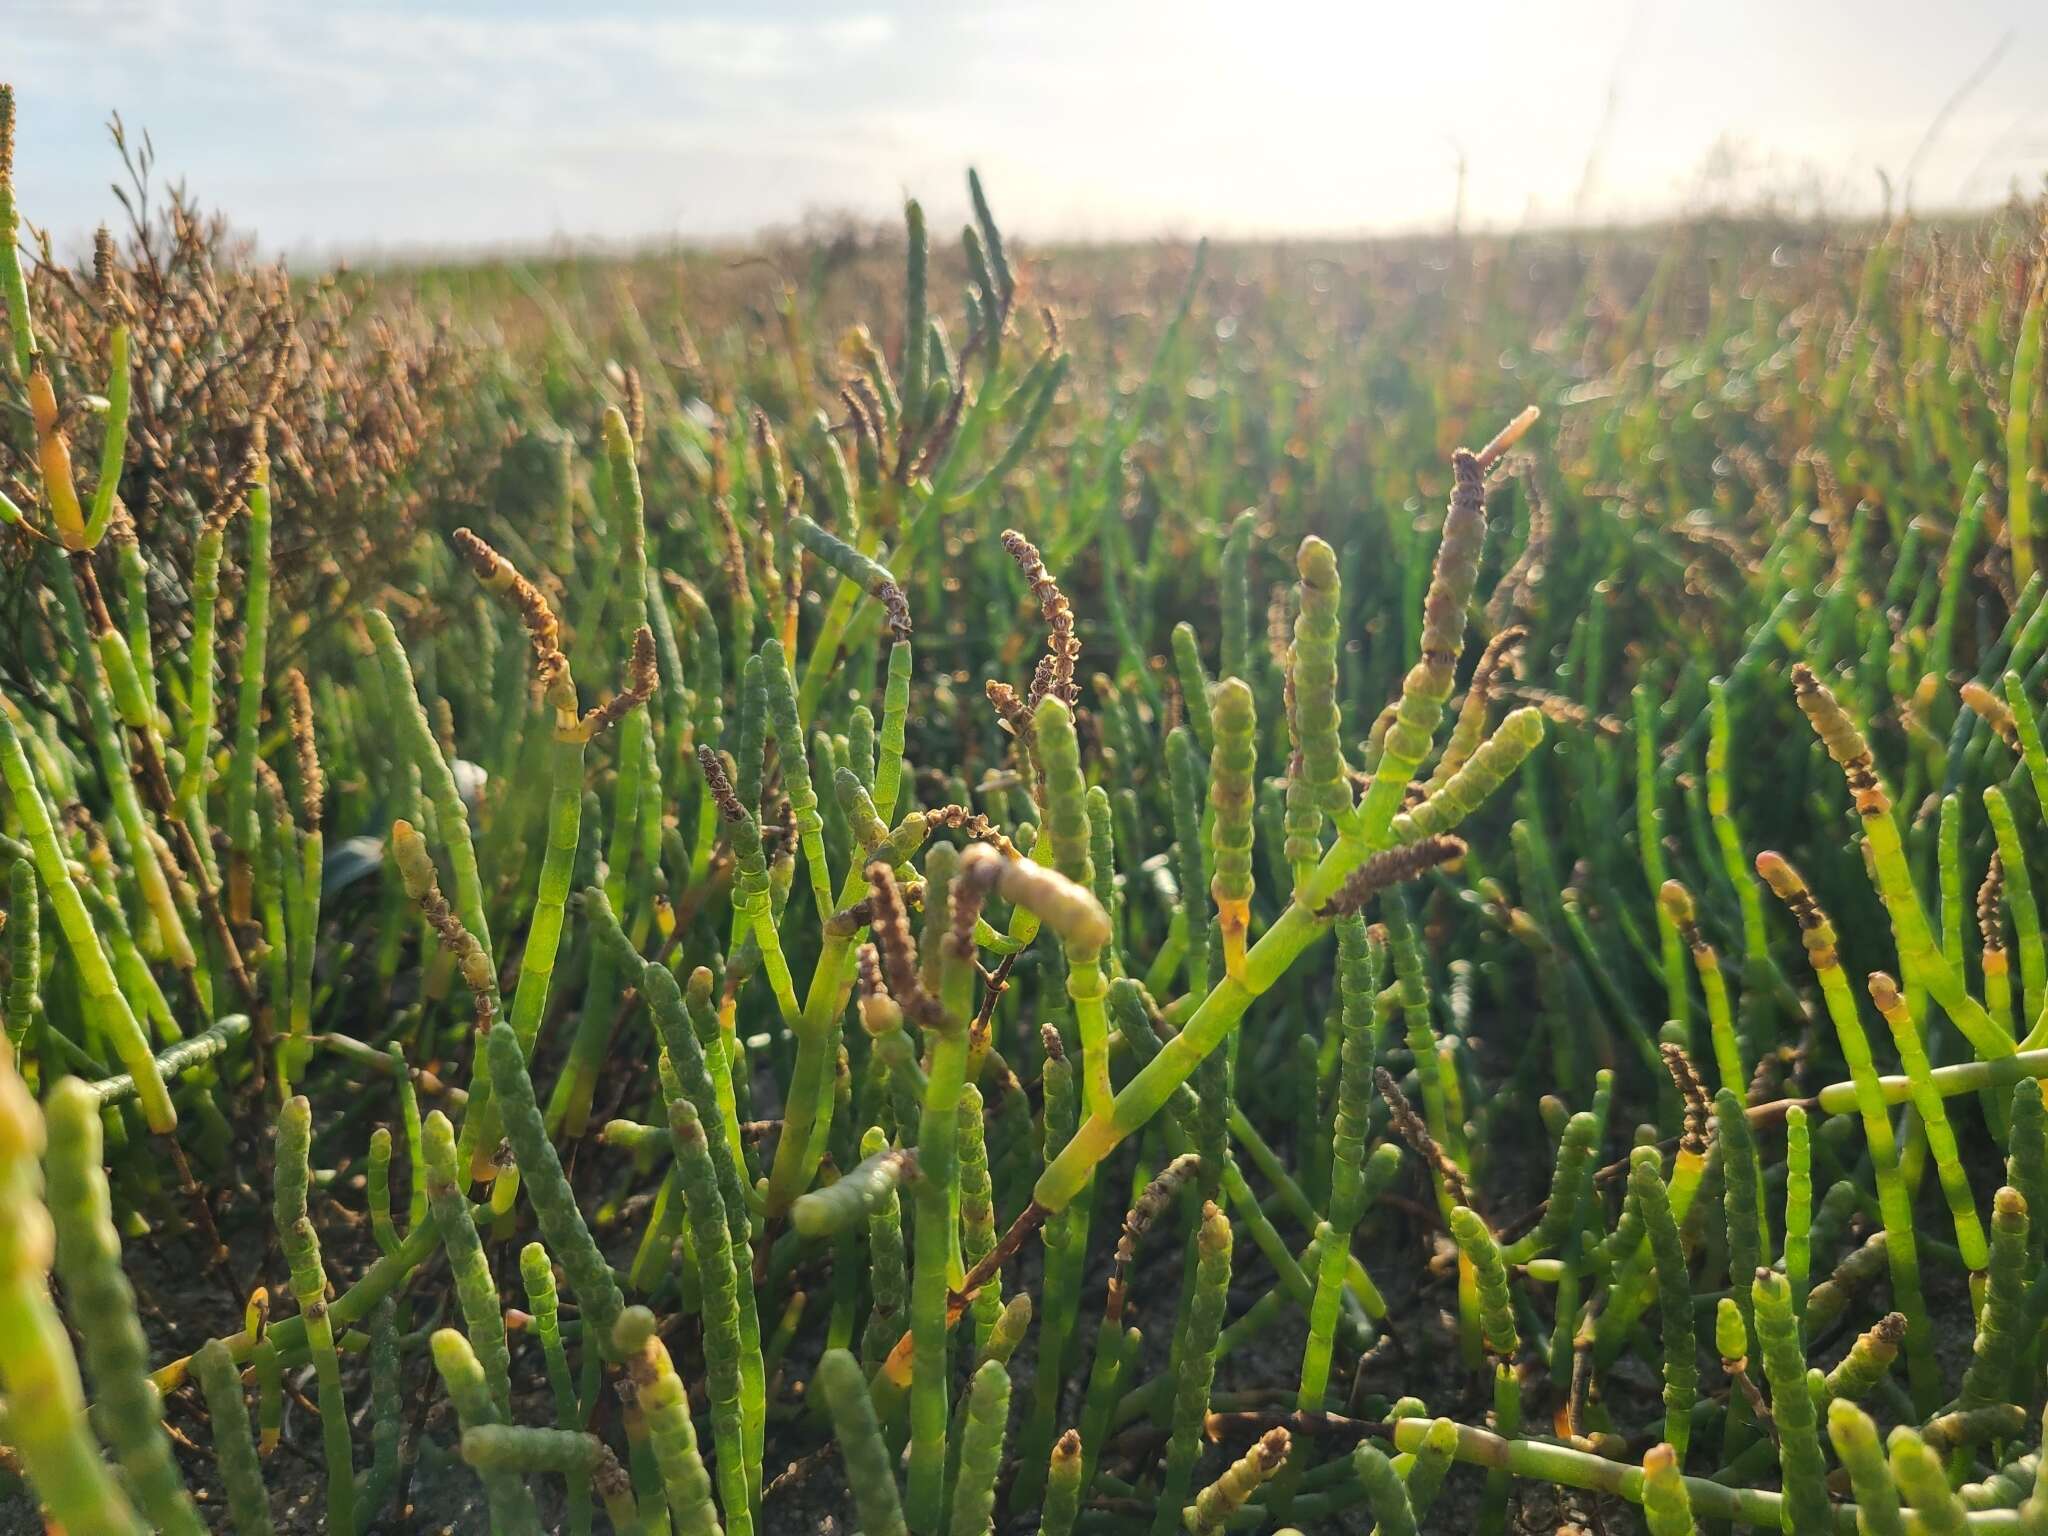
x=388, y=127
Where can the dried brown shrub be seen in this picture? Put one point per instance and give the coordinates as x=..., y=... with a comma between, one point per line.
x=363, y=403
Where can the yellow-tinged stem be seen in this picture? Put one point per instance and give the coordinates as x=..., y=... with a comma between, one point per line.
x=1919, y=955
x=53, y=460
x=1234, y=918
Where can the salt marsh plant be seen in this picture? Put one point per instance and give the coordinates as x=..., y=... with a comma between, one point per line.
x=980, y=921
